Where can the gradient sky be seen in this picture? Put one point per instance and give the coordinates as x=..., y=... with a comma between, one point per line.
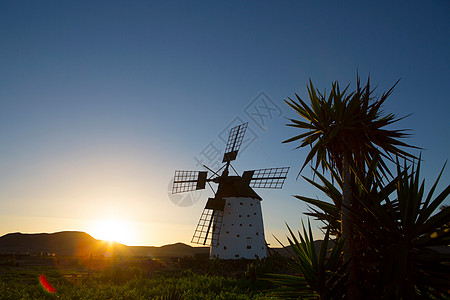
x=102, y=100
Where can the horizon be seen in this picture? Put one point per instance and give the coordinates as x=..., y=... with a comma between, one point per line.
x=103, y=101
x=82, y=232
x=109, y=241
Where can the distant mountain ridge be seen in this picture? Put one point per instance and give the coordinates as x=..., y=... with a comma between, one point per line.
x=68, y=243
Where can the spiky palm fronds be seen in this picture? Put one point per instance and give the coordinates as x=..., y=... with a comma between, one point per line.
x=400, y=234
x=319, y=274
x=348, y=127
x=409, y=233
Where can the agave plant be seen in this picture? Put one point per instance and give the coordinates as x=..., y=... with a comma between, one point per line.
x=318, y=274
x=399, y=234
x=409, y=233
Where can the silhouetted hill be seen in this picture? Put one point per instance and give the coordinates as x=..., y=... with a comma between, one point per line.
x=71, y=243
x=317, y=244
x=81, y=243
x=288, y=249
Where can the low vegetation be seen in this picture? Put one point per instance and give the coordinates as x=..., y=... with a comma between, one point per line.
x=133, y=278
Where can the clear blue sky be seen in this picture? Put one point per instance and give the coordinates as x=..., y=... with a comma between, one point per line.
x=103, y=100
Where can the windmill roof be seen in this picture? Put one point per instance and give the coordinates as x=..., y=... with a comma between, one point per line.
x=235, y=186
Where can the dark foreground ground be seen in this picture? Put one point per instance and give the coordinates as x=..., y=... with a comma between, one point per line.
x=70, y=277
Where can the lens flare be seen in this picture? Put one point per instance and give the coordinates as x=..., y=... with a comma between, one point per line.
x=46, y=285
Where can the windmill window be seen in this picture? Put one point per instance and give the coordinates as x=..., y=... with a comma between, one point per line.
x=254, y=214
x=238, y=235
x=249, y=242
x=240, y=216
x=257, y=233
x=229, y=203
x=232, y=224
x=248, y=216
x=240, y=224
x=251, y=204
x=236, y=255
x=227, y=232
x=224, y=247
x=250, y=225
x=241, y=203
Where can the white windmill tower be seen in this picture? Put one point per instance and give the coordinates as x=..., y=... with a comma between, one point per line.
x=231, y=222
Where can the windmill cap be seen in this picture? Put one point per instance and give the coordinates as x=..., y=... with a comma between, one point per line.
x=236, y=186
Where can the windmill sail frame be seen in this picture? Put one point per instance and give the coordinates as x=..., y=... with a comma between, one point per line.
x=234, y=142
x=185, y=181
x=208, y=227
x=271, y=178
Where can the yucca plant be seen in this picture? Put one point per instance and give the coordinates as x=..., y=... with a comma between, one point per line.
x=317, y=274
x=328, y=213
x=347, y=131
x=347, y=128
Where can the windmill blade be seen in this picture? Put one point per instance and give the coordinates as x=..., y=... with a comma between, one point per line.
x=201, y=233
x=185, y=181
x=208, y=227
x=234, y=142
x=272, y=178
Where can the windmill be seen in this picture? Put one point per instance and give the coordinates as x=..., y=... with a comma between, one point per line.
x=231, y=222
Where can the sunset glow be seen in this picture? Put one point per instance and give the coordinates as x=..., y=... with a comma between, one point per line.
x=113, y=230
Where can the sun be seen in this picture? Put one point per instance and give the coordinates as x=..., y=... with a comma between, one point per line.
x=112, y=230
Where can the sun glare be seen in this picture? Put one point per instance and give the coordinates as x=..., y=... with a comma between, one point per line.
x=113, y=231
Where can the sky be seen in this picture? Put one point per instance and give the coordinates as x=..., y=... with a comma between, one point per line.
x=101, y=101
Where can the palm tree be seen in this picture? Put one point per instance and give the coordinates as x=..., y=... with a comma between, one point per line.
x=347, y=132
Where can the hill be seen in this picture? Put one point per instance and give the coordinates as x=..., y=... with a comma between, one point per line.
x=82, y=244
x=76, y=243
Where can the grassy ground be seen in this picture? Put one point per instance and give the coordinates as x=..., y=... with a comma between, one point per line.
x=137, y=278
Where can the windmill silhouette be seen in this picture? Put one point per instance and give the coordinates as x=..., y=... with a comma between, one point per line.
x=231, y=222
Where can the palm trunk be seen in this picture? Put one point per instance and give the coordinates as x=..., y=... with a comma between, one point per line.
x=347, y=234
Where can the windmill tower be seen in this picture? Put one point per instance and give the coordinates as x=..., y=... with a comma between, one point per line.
x=231, y=222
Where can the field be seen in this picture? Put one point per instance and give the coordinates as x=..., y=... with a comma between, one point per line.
x=41, y=277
